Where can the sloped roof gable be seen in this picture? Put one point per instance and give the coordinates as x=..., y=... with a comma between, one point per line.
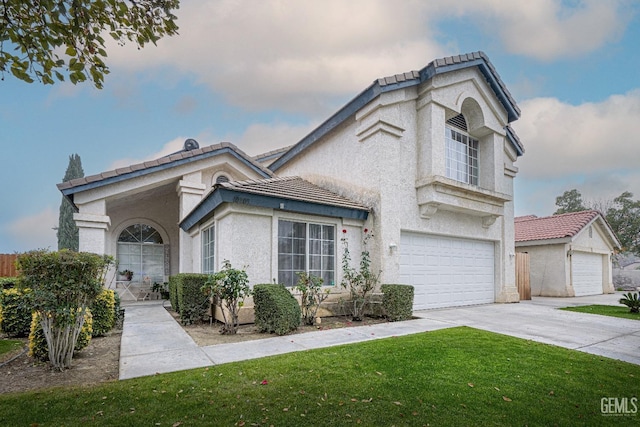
x=413, y=78
x=68, y=188
x=531, y=228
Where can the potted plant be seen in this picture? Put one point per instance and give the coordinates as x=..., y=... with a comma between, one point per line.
x=127, y=274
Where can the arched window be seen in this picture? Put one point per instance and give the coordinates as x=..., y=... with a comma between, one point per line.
x=461, y=152
x=141, y=250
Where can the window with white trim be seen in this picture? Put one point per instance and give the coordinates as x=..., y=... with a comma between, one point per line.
x=461, y=157
x=306, y=247
x=140, y=249
x=208, y=243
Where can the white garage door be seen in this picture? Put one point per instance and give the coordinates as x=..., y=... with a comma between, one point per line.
x=446, y=271
x=586, y=269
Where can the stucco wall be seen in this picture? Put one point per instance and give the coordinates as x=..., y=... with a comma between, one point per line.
x=248, y=237
x=379, y=155
x=548, y=270
x=244, y=238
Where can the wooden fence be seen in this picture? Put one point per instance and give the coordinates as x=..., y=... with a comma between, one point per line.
x=522, y=275
x=8, y=265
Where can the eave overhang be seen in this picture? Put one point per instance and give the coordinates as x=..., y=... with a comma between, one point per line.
x=205, y=210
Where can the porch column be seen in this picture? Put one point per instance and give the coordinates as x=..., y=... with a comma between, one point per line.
x=190, y=191
x=93, y=224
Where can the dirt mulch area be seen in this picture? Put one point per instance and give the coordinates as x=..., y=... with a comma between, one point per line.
x=205, y=334
x=98, y=363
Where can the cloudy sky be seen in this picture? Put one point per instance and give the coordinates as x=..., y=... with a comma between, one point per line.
x=263, y=73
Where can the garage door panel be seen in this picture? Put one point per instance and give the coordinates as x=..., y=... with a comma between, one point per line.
x=586, y=269
x=447, y=271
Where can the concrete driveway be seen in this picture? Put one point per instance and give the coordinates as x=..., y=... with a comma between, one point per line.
x=540, y=320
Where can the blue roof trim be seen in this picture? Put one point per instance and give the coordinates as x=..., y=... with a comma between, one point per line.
x=206, y=208
x=331, y=123
x=142, y=172
x=375, y=89
x=514, y=140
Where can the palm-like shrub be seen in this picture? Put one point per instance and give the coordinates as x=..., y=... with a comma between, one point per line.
x=632, y=301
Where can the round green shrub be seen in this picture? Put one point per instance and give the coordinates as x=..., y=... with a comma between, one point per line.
x=15, y=312
x=103, y=311
x=397, y=301
x=38, y=347
x=276, y=310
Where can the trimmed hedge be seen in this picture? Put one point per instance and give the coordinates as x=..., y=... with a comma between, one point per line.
x=103, y=311
x=38, y=347
x=8, y=282
x=192, y=301
x=173, y=293
x=397, y=301
x=276, y=310
x=15, y=312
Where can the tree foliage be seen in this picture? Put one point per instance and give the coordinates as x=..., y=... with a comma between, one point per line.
x=67, y=230
x=624, y=218
x=45, y=39
x=622, y=214
x=63, y=285
x=570, y=201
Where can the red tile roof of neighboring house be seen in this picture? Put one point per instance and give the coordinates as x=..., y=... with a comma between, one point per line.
x=552, y=227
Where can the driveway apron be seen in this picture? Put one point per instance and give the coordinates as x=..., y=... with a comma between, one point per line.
x=540, y=320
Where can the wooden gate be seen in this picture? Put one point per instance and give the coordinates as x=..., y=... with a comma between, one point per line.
x=8, y=265
x=522, y=275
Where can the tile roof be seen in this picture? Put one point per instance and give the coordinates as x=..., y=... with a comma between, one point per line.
x=291, y=188
x=271, y=155
x=163, y=162
x=448, y=62
x=530, y=227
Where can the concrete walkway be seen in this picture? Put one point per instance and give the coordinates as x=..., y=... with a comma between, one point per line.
x=152, y=341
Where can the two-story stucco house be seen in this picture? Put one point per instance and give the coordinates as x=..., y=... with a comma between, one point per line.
x=424, y=161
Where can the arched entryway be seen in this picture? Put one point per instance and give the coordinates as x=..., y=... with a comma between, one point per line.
x=142, y=250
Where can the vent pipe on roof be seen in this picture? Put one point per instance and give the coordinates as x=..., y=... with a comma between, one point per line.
x=191, y=144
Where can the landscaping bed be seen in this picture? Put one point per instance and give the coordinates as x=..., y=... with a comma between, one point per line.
x=205, y=333
x=98, y=363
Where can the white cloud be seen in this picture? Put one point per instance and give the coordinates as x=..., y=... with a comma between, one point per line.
x=296, y=55
x=561, y=139
x=593, y=147
x=34, y=231
x=256, y=139
x=261, y=137
x=550, y=29
x=169, y=147
x=300, y=56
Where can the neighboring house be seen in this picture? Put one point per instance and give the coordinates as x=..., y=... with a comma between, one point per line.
x=424, y=160
x=570, y=254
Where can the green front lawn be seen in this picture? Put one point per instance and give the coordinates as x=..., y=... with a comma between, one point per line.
x=9, y=346
x=458, y=376
x=605, y=310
